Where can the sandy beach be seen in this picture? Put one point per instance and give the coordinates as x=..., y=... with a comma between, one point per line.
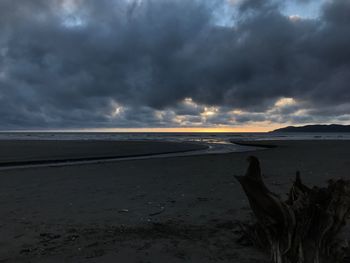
x=24, y=152
x=176, y=209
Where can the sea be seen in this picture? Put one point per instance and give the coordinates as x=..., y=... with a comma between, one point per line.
x=167, y=136
x=216, y=142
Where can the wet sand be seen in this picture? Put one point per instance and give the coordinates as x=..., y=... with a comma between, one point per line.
x=47, y=151
x=178, y=209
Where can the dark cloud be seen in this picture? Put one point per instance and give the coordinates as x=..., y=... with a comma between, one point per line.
x=70, y=64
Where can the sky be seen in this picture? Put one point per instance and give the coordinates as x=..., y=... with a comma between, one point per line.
x=173, y=65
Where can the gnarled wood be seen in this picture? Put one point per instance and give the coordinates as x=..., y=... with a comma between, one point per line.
x=306, y=227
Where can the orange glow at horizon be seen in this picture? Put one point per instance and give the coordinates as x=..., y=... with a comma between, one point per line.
x=263, y=128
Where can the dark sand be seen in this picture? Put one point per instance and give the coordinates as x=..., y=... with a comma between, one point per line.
x=179, y=209
x=27, y=152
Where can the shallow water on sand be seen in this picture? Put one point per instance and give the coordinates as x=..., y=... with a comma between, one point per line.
x=216, y=142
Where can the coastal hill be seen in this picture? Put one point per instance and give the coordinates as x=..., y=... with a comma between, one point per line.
x=315, y=128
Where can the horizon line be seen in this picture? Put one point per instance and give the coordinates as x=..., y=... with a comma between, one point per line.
x=150, y=130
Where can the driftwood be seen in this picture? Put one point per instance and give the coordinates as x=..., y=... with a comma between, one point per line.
x=305, y=228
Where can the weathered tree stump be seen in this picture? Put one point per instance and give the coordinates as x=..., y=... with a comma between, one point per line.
x=304, y=228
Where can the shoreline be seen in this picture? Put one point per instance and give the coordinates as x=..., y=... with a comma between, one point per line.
x=37, y=152
x=35, y=156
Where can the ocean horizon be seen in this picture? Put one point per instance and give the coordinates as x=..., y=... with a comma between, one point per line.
x=205, y=137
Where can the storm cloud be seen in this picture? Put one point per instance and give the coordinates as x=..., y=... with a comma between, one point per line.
x=171, y=63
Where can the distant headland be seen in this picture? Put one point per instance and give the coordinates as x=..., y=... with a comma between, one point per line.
x=315, y=128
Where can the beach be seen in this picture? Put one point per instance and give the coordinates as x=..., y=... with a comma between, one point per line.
x=172, y=209
x=24, y=152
